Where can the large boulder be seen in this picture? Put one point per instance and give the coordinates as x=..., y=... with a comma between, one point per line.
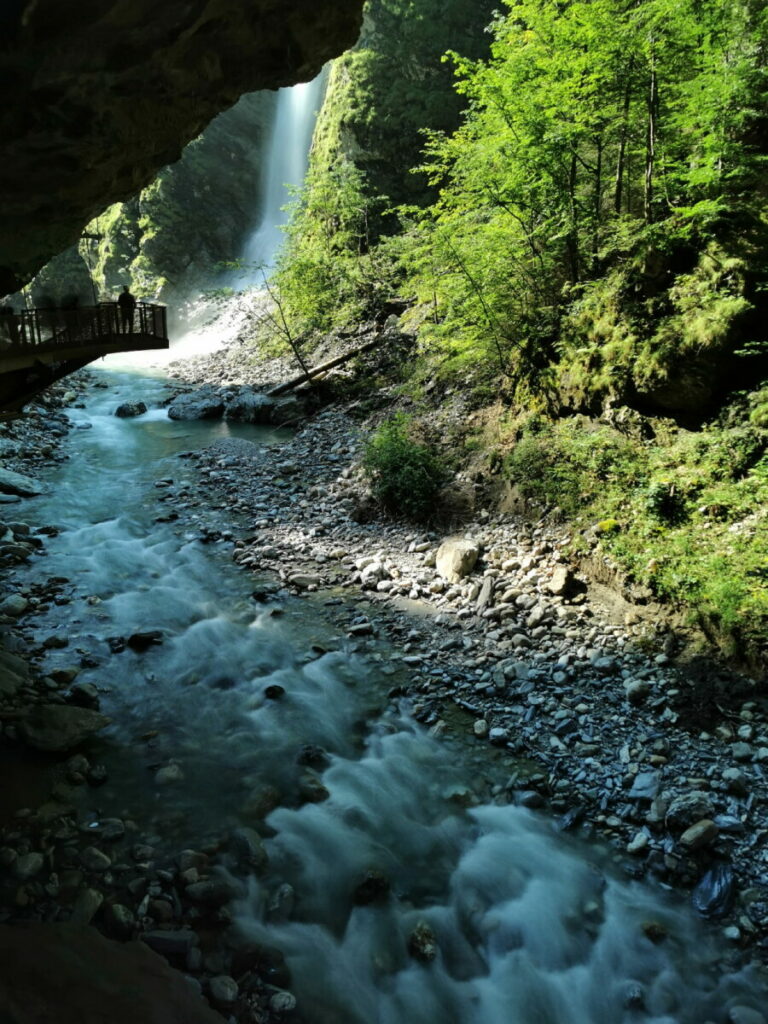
x=198, y=405
x=14, y=674
x=128, y=409
x=71, y=974
x=249, y=406
x=17, y=483
x=287, y=410
x=456, y=558
x=60, y=727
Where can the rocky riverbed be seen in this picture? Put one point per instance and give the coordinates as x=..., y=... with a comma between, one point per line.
x=664, y=757
x=667, y=762
x=493, y=636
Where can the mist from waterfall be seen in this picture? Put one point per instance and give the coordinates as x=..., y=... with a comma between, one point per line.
x=288, y=159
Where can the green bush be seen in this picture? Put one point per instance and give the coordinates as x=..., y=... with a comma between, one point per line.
x=404, y=473
x=664, y=502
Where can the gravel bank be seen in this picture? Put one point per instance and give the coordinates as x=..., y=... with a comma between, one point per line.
x=665, y=761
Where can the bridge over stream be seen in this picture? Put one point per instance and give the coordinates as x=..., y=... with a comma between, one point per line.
x=40, y=346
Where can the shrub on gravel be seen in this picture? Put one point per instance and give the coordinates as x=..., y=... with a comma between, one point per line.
x=404, y=473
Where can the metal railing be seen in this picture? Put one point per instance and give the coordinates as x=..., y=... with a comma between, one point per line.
x=49, y=329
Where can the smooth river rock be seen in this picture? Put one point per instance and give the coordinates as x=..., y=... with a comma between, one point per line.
x=17, y=483
x=57, y=727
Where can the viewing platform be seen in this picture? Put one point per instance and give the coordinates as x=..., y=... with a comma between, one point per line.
x=40, y=346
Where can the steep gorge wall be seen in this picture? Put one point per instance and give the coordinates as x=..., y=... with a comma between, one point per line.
x=393, y=85
x=100, y=96
x=168, y=241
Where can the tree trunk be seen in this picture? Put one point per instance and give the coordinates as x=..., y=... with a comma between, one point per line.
x=650, y=146
x=572, y=241
x=618, y=188
x=598, y=200
x=323, y=367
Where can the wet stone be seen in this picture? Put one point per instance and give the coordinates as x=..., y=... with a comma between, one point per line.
x=168, y=774
x=86, y=905
x=82, y=695
x=374, y=888
x=282, y=1002
x=59, y=727
x=140, y=642
x=312, y=790
x=745, y=1015
x=212, y=892
x=174, y=945
x=313, y=756
x=28, y=865
x=119, y=919
x=248, y=849
x=192, y=859
x=713, y=895
x=223, y=989
x=422, y=943
x=94, y=859
x=128, y=409
x=638, y=844
x=14, y=605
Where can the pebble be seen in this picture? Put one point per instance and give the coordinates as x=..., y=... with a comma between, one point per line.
x=700, y=834
x=14, y=604
x=543, y=666
x=638, y=844
x=223, y=989
x=282, y=1002
x=93, y=859
x=168, y=774
x=27, y=865
x=86, y=906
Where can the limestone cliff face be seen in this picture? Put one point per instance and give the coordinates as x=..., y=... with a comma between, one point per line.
x=100, y=94
x=394, y=84
x=168, y=241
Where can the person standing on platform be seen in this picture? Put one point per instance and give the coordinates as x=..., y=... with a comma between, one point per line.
x=127, y=304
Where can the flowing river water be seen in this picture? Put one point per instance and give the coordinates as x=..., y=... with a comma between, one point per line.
x=530, y=926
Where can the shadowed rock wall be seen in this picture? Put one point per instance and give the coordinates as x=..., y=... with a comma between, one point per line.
x=99, y=95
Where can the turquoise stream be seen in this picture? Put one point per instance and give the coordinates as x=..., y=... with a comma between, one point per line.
x=532, y=927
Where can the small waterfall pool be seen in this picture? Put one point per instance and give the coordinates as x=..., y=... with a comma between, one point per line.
x=398, y=890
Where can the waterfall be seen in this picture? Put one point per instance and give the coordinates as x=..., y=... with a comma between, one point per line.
x=286, y=166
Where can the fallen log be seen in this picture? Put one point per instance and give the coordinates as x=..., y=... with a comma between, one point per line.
x=323, y=367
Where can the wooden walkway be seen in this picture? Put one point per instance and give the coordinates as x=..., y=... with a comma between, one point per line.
x=40, y=346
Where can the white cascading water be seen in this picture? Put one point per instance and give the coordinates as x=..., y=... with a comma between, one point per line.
x=286, y=166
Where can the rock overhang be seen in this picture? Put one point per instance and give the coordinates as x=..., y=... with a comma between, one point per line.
x=100, y=94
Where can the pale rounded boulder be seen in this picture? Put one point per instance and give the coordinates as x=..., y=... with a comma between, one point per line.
x=456, y=558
